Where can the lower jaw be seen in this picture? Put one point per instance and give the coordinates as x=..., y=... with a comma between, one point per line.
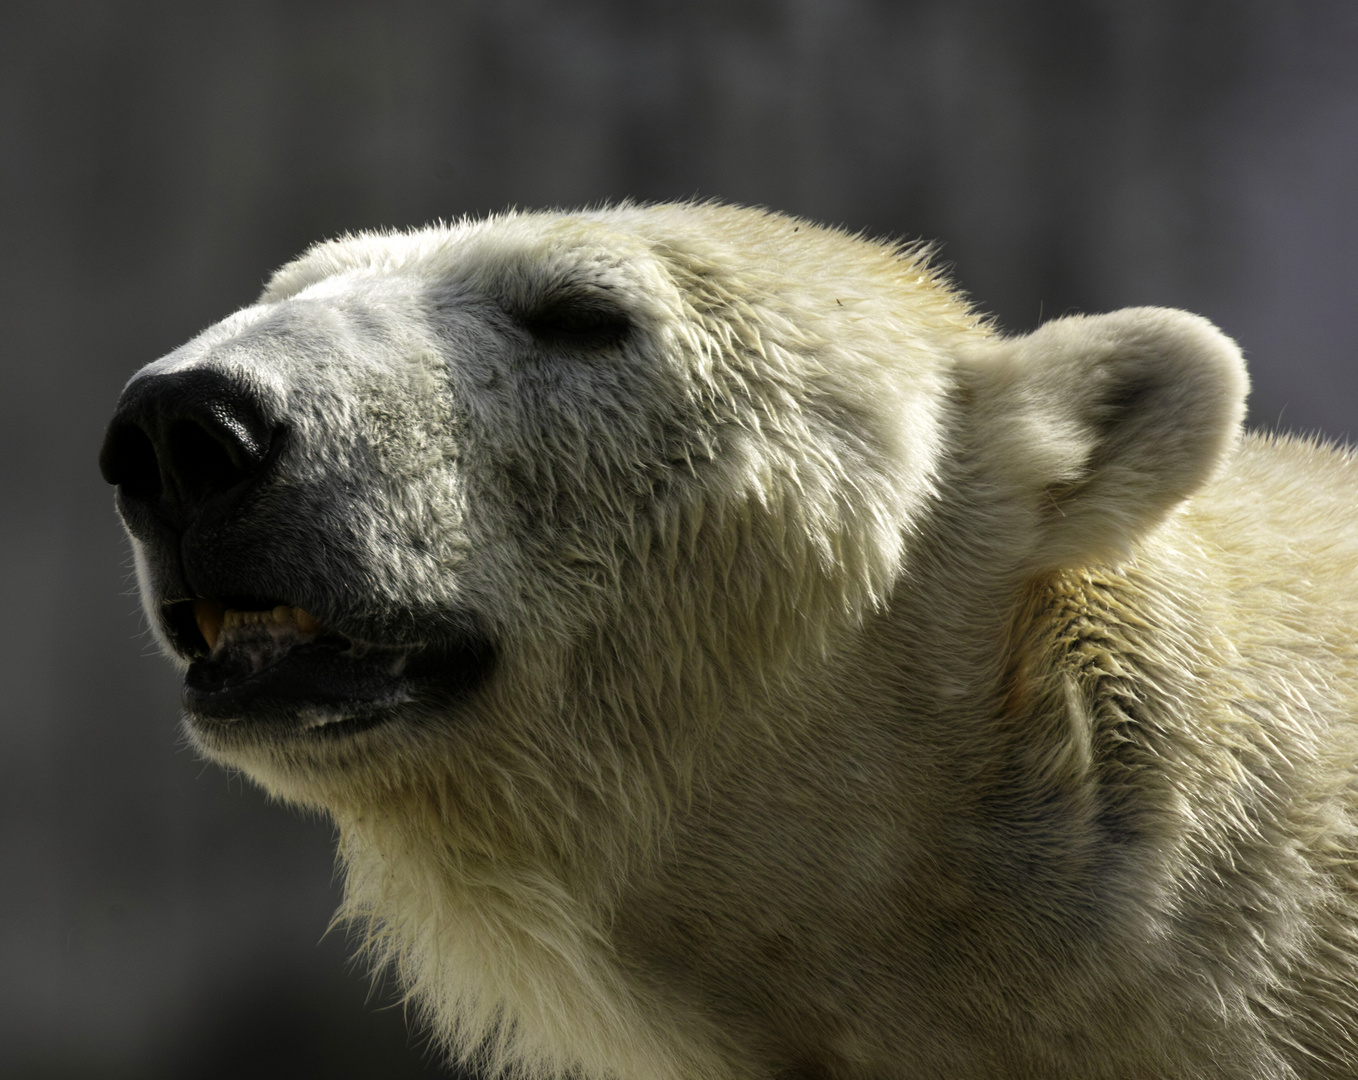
x=327, y=689
x=311, y=687
x=285, y=726
x=345, y=763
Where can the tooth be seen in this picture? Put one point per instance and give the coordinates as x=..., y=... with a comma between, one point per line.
x=214, y=618
x=210, y=616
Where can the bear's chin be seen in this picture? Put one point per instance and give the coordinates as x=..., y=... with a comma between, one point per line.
x=259, y=688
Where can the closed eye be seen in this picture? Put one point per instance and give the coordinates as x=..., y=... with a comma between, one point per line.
x=583, y=323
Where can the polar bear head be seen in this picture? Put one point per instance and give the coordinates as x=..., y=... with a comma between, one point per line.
x=520, y=511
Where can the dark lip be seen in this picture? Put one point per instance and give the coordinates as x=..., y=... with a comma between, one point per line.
x=312, y=686
x=326, y=686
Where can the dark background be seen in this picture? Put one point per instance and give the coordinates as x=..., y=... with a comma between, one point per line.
x=157, y=917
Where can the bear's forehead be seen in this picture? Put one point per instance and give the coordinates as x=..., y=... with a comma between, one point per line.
x=631, y=248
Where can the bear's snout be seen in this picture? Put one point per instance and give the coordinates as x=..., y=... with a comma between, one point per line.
x=181, y=441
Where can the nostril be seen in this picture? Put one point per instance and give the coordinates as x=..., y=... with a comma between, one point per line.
x=200, y=462
x=128, y=459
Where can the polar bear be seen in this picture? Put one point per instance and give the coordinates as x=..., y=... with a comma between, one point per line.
x=728, y=657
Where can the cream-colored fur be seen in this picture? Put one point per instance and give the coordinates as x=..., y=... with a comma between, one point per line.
x=876, y=695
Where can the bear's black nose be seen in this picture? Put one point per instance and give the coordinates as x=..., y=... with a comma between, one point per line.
x=179, y=441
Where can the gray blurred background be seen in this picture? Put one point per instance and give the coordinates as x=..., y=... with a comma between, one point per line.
x=158, y=918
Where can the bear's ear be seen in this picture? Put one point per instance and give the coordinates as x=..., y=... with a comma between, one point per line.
x=1103, y=424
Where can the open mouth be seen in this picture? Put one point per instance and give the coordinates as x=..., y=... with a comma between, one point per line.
x=258, y=663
